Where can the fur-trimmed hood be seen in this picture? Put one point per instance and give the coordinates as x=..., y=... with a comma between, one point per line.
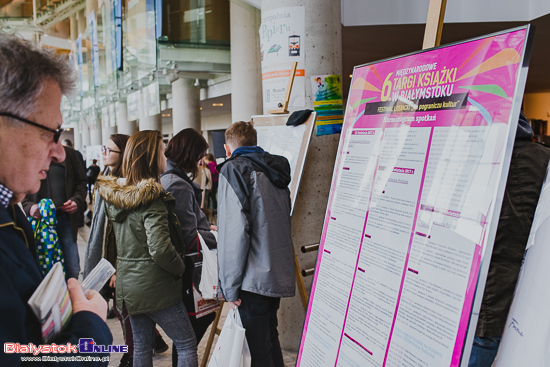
x=123, y=198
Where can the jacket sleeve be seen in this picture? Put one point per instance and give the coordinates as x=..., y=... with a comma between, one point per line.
x=94, y=249
x=80, y=181
x=20, y=325
x=233, y=239
x=158, y=239
x=28, y=202
x=185, y=197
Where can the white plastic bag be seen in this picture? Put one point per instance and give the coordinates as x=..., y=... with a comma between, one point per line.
x=231, y=348
x=209, y=276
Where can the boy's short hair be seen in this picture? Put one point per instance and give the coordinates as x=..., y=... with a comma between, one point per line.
x=241, y=134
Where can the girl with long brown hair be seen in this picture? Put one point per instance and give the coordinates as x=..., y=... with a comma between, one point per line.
x=149, y=248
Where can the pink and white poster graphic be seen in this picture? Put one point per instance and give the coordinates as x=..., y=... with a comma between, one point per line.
x=413, y=203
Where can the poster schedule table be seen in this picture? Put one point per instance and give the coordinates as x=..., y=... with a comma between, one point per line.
x=423, y=156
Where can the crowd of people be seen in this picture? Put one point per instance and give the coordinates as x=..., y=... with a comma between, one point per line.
x=150, y=207
x=149, y=211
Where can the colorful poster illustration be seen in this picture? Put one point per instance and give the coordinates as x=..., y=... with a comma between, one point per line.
x=327, y=92
x=413, y=208
x=281, y=43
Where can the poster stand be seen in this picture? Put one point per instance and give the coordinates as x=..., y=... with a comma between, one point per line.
x=385, y=289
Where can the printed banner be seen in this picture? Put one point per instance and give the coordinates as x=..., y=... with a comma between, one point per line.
x=413, y=207
x=282, y=37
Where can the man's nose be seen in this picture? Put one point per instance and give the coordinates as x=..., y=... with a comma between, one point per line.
x=57, y=152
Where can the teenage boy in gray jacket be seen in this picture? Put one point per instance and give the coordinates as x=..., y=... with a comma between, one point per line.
x=255, y=251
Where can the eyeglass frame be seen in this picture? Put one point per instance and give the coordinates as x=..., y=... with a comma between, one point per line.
x=56, y=132
x=108, y=150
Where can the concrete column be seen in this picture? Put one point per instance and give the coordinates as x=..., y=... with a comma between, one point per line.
x=186, y=105
x=124, y=126
x=85, y=133
x=77, y=137
x=81, y=22
x=323, y=55
x=74, y=27
x=150, y=123
x=91, y=5
x=246, y=73
x=95, y=131
x=106, y=132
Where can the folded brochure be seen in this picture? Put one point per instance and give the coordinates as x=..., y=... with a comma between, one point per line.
x=51, y=303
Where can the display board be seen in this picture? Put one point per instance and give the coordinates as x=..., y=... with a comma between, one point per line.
x=291, y=142
x=525, y=340
x=414, y=204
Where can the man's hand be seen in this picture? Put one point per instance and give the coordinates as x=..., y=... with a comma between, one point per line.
x=34, y=212
x=91, y=301
x=69, y=206
x=235, y=304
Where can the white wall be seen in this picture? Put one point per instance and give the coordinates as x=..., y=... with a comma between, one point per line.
x=361, y=12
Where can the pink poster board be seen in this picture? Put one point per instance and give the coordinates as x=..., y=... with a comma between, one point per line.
x=414, y=203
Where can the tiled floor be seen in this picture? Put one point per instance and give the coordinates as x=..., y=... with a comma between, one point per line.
x=164, y=359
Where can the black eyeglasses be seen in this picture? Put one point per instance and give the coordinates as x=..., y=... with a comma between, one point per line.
x=56, y=132
x=106, y=150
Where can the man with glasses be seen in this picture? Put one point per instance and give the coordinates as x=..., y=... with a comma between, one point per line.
x=32, y=82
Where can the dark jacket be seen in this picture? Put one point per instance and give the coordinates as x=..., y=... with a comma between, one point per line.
x=19, y=278
x=525, y=178
x=255, y=251
x=149, y=244
x=75, y=186
x=190, y=215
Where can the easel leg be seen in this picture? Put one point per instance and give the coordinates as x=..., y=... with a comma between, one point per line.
x=213, y=332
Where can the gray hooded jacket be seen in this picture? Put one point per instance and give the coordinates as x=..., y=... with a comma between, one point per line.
x=255, y=251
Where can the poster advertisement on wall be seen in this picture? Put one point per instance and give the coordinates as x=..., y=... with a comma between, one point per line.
x=327, y=102
x=414, y=204
x=282, y=37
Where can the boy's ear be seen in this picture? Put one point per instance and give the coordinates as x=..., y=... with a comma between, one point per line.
x=227, y=150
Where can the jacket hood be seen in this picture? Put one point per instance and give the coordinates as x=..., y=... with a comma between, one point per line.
x=123, y=198
x=276, y=167
x=524, y=130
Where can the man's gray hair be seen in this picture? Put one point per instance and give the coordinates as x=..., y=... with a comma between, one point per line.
x=24, y=69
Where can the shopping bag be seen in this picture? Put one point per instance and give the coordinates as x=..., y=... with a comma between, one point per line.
x=48, y=248
x=209, y=285
x=231, y=348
